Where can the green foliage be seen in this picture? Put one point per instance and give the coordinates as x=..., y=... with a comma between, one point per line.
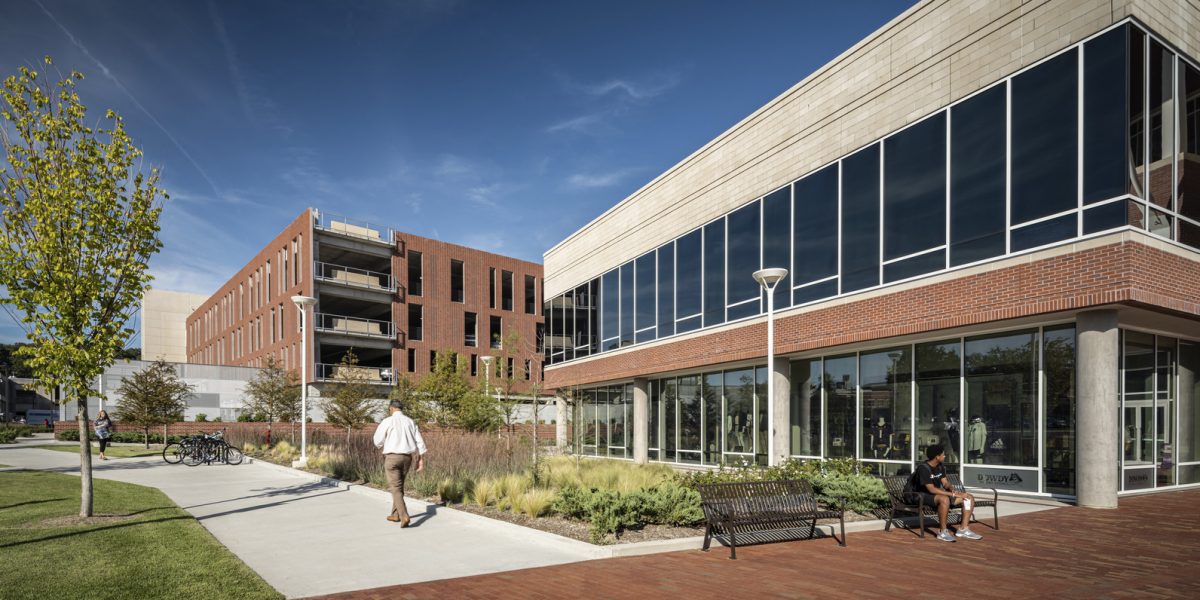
x=153, y=396
x=274, y=393
x=201, y=418
x=8, y=435
x=611, y=512
x=832, y=480
x=453, y=490
x=13, y=361
x=78, y=229
x=411, y=402
x=351, y=403
x=454, y=401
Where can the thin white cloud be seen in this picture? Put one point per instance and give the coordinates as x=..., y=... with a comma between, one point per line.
x=635, y=90
x=107, y=73
x=256, y=106
x=610, y=99
x=598, y=180
x=592, y=123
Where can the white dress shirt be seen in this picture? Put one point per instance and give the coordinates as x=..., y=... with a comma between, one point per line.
x=398, y=434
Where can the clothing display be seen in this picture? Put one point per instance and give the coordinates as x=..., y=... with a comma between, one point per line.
x=881, y=438
x=976, y=440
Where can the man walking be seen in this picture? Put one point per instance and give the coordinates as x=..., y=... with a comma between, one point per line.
x=930, y=483
x=398, y=437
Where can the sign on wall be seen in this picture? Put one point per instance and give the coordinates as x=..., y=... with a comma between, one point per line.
x=1000, y=478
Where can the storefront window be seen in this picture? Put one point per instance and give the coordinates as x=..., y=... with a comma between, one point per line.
x=1138, y=410
x=1058, y=362
x=689, y=419
x=739, y=411
x=805, y=409
x=602, y=424
x=938, y=421
x=1164, y=410
x=760, y=402
x=1189, y=412
x=841, y=381
x=712, y=418
x=887, y=404
x=670, y=414
x=1001, y=380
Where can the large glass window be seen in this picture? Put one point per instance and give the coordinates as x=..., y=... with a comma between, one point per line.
x=583, y=320
x=688, y=290
x=742, y=291
x=1058, y=364
x=1189, y=412
x=530, y=294
x=1162, y=132
x=666, y=290
x=506, y=290
x=776, y=243
x=415, y=322
x=711, y=392
x=914, y=189
x=739, y=411
x=689, y=419
x=1105, y=116
x=841, y=383
x=415, y=277
x=1001, y=391
x=805, y=410
x=977, y=178
x=1164, y=410
x=1187, y=170
x=938, y=421
x=567, y=310
x=470, y=329
x=670, y=398
x=626, y=304
x=814, y=236
x=654, y=423
x=1137, y=117
x=645, y=311
x=714, y=273
x=1045, y=138
x=886, y=378
x=1138, y=409
x=860, y=219
x=610, y=310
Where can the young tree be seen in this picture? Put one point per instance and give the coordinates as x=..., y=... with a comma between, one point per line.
x=274, y=394
x=79, y=225
x=352, y=403
x=509, y=370
x=153, y=396
x=454, y=402
x=412, y=403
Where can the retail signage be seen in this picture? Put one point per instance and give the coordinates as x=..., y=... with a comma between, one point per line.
x=1000, y=478
x=1139, y=479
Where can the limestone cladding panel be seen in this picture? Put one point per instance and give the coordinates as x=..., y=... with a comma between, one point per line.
x=220, y=333
x=1126, y=272
x=931, y=55
x=443, y=320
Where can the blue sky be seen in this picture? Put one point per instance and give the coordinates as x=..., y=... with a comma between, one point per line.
x=503, y=126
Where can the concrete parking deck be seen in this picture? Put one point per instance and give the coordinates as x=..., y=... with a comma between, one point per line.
x=1147, y=548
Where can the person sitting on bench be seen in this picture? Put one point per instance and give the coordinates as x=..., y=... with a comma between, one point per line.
x=929, y=482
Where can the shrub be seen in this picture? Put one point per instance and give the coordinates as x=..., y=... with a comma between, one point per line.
x=201, y=418
x=512, y=486
x=863, y=493
x=8, y=435
x=453, y=490
x=535, y=503
x=671, y=504
x=484, y=492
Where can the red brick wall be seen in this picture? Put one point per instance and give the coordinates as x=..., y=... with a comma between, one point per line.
x=1121, y=273
x=545, y=431
x=443, y=319
x=287, y=340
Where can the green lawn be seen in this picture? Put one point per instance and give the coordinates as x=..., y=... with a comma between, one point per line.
x=155, y=551
x=112, y=452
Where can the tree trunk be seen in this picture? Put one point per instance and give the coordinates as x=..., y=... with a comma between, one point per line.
x=165, y=434
x=85, y=460
x=146, y=435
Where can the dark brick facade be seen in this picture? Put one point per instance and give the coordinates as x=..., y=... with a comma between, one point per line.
x=1125, y=272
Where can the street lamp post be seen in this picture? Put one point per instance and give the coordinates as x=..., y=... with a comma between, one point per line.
x=768, y=279
x=487, y=373
x=302, y=303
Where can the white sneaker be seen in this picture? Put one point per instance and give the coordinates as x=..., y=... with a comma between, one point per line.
x=967, y=533
x=946, y=536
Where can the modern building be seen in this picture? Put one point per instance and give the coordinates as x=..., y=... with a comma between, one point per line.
x=164, y=316
x=217, y=391
x=990, y=217
x=393, y=298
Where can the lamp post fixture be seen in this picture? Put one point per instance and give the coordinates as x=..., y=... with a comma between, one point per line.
x=487, y=373
x=302, y=303
x=768, y=279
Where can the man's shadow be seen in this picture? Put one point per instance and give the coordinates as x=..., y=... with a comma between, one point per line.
x=419, y=520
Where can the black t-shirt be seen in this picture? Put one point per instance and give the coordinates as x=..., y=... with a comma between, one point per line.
x=925, y=475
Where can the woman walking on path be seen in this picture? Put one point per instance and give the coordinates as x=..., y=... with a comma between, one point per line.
x=104, y=426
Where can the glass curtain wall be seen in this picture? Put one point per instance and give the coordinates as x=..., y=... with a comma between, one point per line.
x=1013, y=177
x=605, y=421
x=710, y=418
x=1160, y=404
x=886, y=406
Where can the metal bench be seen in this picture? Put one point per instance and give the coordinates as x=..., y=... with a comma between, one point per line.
x=757, y=506
x=956, y=481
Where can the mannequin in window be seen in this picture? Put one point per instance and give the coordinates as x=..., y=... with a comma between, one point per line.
x=952, y=430
x=976, y=440
x=881, y=438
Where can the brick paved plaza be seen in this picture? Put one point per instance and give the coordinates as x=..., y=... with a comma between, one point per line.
x=1148, y=548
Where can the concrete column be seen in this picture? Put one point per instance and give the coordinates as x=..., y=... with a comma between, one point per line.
x=641, y=420
x=779, y=408
x=1097, y=424
x=1189, y=402
x=561, y=414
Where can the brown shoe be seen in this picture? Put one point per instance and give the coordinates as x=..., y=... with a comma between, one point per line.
x=404, y=521
x=394, y=519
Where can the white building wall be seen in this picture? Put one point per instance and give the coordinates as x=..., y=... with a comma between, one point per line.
x=164, y=318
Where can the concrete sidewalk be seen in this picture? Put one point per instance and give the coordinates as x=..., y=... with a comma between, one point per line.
x=307, y=538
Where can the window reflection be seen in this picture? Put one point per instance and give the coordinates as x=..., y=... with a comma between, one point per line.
x=1045, y=138
x=886, y=404
x=1001, y=388
x=841, y=382
x=805, y=409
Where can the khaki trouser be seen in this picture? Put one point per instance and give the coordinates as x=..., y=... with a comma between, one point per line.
x=396, y=466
